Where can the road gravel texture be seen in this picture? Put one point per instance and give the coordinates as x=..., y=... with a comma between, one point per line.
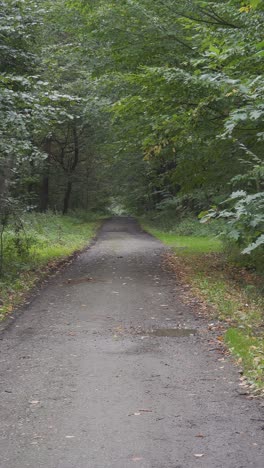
x=85, y=384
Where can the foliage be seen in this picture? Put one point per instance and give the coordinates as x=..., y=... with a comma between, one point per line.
x=155, y=107
x=245, y=218
x=187, y=237
x=156, y=104
x=182, y=226
x=44, y=241
x=186, y=87
x=45, y=110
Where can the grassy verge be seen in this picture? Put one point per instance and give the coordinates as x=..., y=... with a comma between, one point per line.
x=45, y=241
x=188, y=245
x=232, y=294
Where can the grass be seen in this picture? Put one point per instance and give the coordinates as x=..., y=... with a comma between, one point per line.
x=45, y=241
x=250, y=352
x=232, y=293
x=188, y=244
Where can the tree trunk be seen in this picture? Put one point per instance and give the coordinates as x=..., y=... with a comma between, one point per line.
x=44, y=194
x=5, y=176
x=44, y=190
x=67, y=196
x=72, y=169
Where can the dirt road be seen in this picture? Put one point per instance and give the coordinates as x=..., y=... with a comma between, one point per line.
x=86, y=384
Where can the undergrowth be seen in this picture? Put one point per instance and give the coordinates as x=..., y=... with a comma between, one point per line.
x=45, y=240
x=182, y=226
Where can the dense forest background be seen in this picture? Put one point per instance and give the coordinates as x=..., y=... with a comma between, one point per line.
x=153, y=106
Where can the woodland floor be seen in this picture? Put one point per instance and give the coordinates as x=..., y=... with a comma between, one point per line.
x=88, y=382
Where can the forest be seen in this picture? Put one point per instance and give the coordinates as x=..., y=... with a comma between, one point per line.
x=155, y=105
x=153, y=109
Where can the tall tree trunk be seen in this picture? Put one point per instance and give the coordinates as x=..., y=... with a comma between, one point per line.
x=6, y=165
x=72, y=169
x=67, y=196
x=44, y=189
x=44, y=194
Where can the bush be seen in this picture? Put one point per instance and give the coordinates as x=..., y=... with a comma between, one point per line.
x=188, y=226
x=244, y=220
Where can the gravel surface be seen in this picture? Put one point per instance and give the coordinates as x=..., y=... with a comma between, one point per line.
x=89, y=381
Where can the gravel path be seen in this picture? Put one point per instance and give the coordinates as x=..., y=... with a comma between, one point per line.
x=86, y=384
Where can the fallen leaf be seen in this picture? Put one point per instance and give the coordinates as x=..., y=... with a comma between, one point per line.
x=200, y=435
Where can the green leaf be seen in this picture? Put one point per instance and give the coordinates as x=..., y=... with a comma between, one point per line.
x=255, y=3
x=260, y=45
x=258, y=243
